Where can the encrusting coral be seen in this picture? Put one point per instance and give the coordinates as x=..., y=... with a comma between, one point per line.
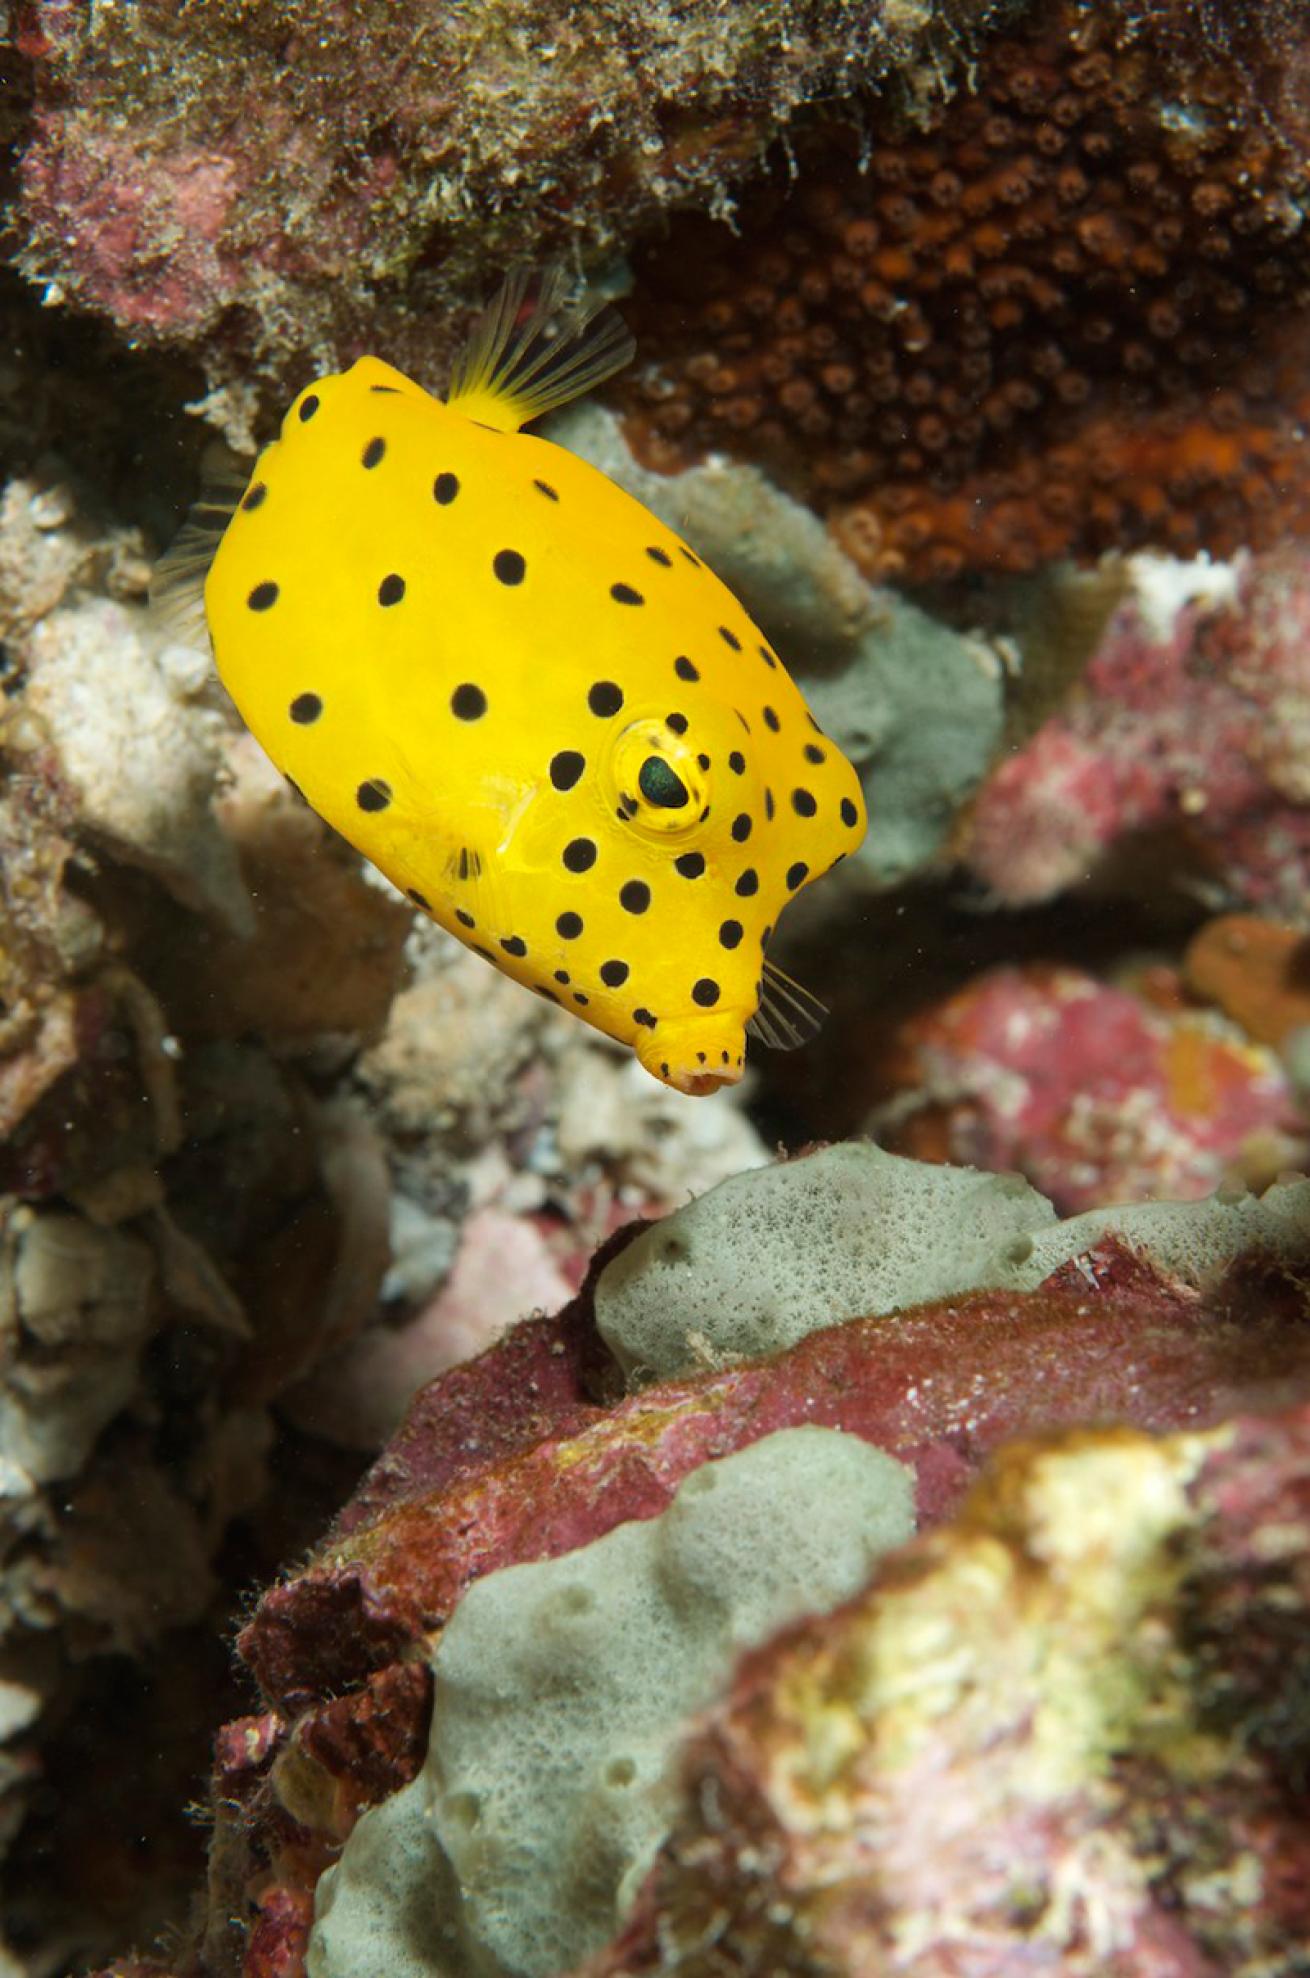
x=1065, y=313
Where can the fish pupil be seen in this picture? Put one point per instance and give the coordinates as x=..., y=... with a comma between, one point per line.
x=661, y=785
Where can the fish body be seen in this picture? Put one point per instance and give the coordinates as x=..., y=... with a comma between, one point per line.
x=534, y=708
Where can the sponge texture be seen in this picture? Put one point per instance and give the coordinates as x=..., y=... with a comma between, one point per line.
x=561, y=1691
x=768, y=1257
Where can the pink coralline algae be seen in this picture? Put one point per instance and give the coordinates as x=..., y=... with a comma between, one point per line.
x=514, y=1457
x=260, y=185
x=1064, y=1735
x=1201, y=732
x=1097, y=1093
x=142, y=235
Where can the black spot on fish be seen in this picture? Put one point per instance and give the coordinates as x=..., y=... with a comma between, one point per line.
x=391, y=590
x=614, y=974
x=512, y=945
x=544, y=487
x=373, y=452
x=263, y=596
x=730, y=934
x=565, y=768
x=690, y=865
x=373, y=794
x=802, y=802
x=741, y=828
x=796, y=873
x=604, y=698
x=580, y=854
x=569, y=926
x=309, y=406
x=706, y=993
x=468, y=703
x=685, y=670
x=748, y=883
x=509, y=566
x=730, y=638
x=445, y=488
x=305, y=708
x=634, y=897
x=254, y=496
x=850, y=817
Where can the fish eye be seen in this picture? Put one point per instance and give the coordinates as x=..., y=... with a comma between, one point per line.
x=654, y=778
x=661, y=785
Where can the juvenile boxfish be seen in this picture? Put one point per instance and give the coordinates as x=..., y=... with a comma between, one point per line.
x=524, y=698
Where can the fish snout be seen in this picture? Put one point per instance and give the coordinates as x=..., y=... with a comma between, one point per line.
x=696, y=1057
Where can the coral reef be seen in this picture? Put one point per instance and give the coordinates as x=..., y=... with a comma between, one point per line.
x=923, y=295
x=1098, y=1093
x=1102, y=232
x=1164, y=1318
x=271, y=197
x=1190, y=723
x=1066, y=1733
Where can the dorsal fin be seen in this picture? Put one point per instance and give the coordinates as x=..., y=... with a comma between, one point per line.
x=531, y=351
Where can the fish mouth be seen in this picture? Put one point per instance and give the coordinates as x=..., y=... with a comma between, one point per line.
x=695, y=1058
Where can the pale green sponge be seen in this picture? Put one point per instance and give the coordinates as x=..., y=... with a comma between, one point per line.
x=768, y=1257
x=561, y=1692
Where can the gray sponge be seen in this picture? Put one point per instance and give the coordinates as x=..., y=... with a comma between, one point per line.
x=562, y=1689
x=853, y=1232
x=767, y=1257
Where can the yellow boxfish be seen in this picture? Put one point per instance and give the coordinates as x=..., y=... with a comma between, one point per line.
x=524, y=698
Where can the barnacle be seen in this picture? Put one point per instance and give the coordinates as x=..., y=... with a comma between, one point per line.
x=1069, y=315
